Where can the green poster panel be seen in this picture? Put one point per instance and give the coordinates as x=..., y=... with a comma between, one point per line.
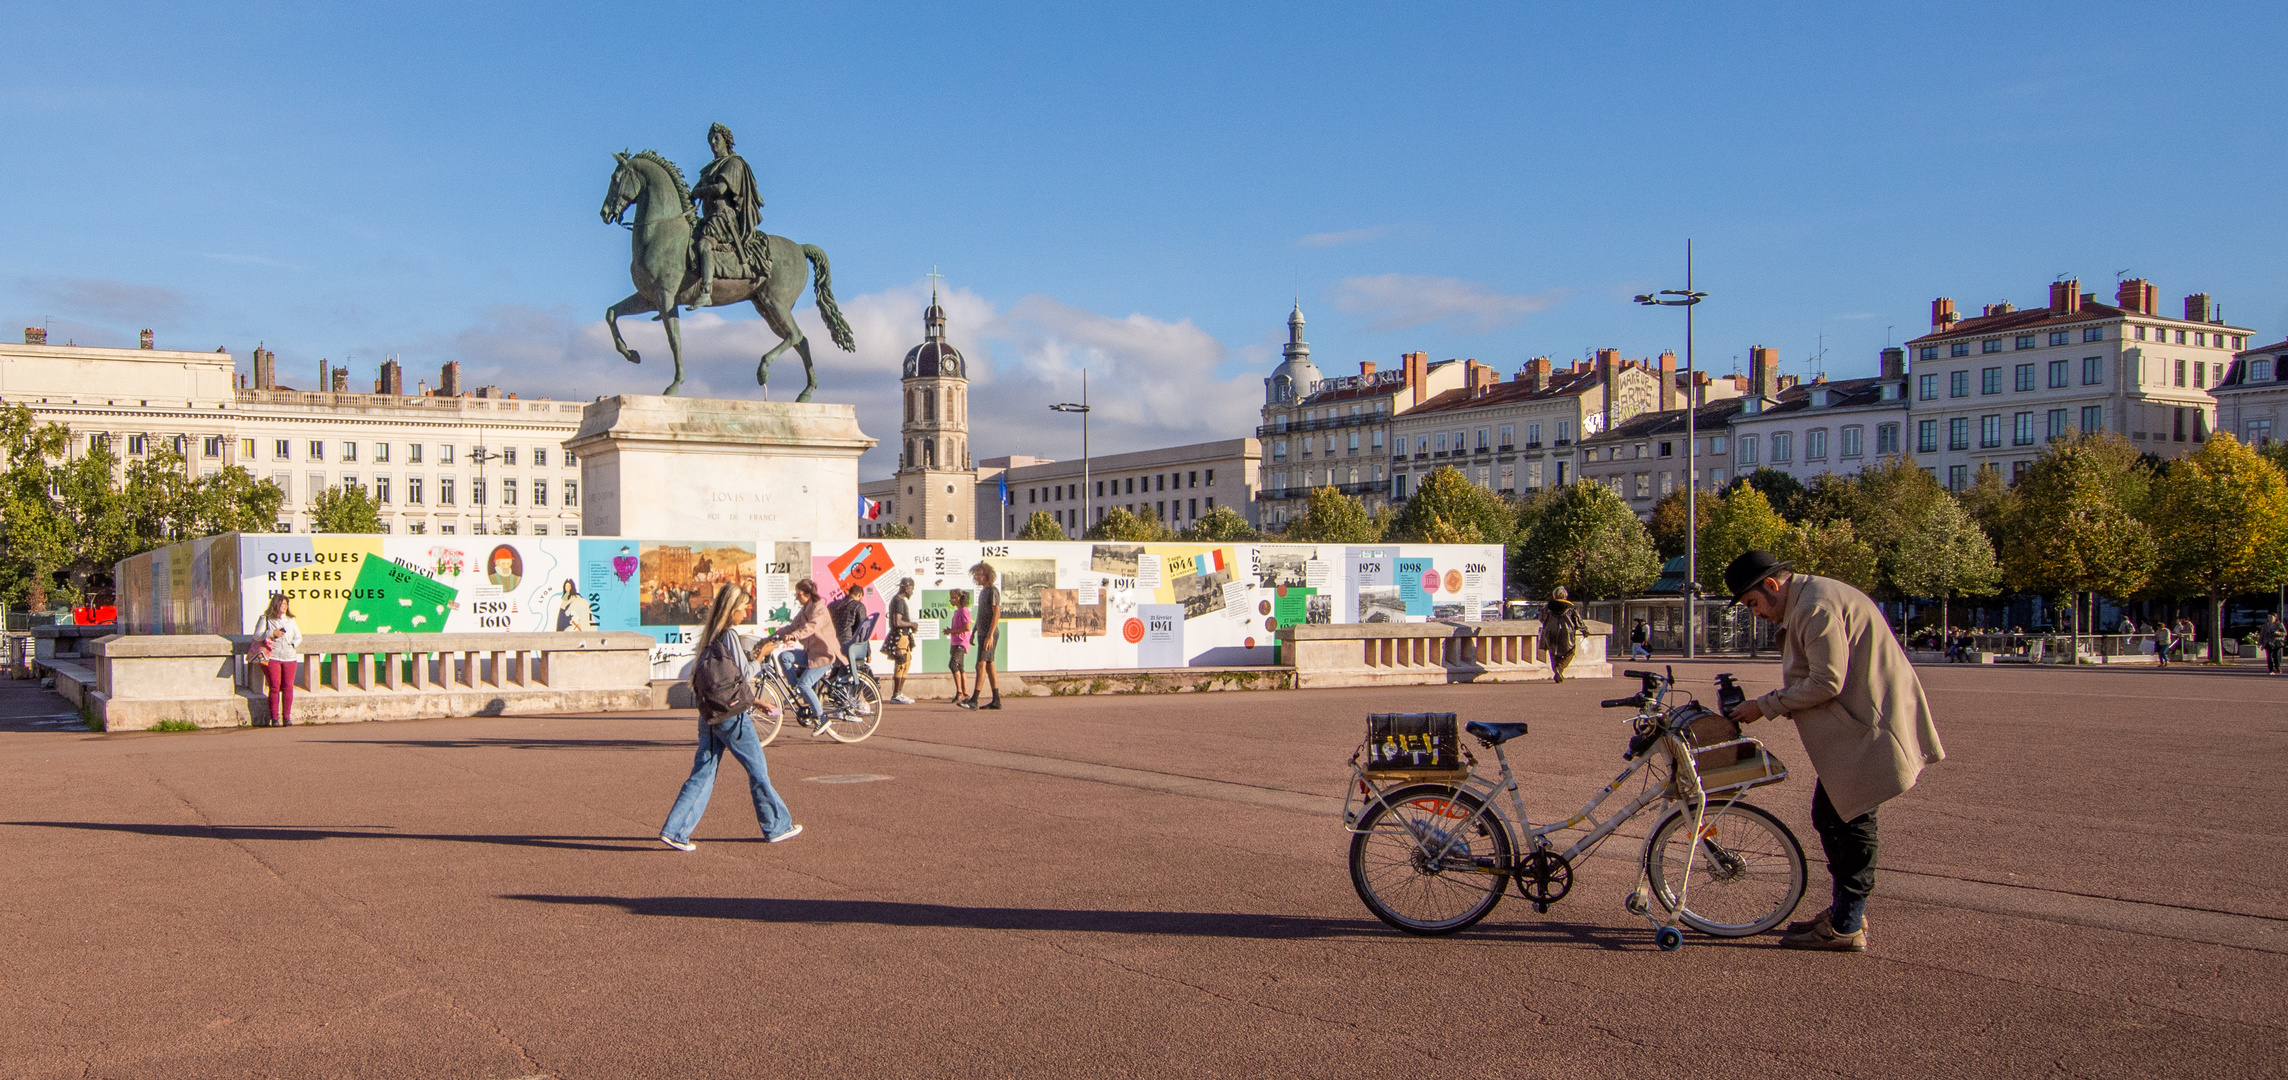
x=392, y=599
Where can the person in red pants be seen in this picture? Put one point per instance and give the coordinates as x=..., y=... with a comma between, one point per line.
x=278, y=633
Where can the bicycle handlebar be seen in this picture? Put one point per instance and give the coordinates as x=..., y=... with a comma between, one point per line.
x=1630, y=702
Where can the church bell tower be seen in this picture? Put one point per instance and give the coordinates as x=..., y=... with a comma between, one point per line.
x=936, y=483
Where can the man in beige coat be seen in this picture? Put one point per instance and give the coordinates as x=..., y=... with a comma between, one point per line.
x=1861, y=713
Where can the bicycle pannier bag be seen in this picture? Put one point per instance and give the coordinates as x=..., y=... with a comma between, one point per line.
x=1414, y=746
x=1707, y=728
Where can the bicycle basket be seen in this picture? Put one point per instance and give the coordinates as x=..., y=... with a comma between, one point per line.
x=1414, y=746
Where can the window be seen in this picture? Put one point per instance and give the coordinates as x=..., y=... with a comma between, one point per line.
x=1783, y=446
x=1509, y=475
x=2202, y=338
x=2093, y=333
x=1564, y=432
x=477, y=492
x=2057, y=422
x=508, y=455
x=245, y=449
x=349, y=451
x=2180, y=336
x=1959, y=348
x=1533, y=434
x=380, y=452
x=1278, y=452
x=569, y=462
x=283, y=449
x=539, y=457
x=284, y=482
x=2057, y=374
x=1716, y=445
x=1508, y=436
x=1958, y=384
x=2092, y=370
x=2022, y=429
x=1854, y=442
x=1374, y=439
x=350, y=480
x=1481, y=443
x=540, y=493
x=2201, y=372
x=138, y=444
x=1131, y=485
x=1887, y=439
x=1747, y=450
x=2060, y=337
x=1957, y=477
x=2260, y=432
x=2025, y=341
x=1100, y=488
x=2140, y=333
x=413, y=490
x=413, y=453
x=2180, y=371
x=1990, y=430
x=317, y=483
x=212, y=446
x=1926, y=437
x=1990, y=381
x=2093, y=418
x=1441, y=442
x=445, y=454
x=2025, y=375
x=2260, y=371
x=1958, y=433
x=381, y=489
x=1929, y=352
x=1815, y=444
x=1352, y=446
x=1994, y=345
x=1930, y=388
x=1644, y=485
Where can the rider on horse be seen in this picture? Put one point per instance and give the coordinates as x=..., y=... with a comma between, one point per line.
x=731, y=216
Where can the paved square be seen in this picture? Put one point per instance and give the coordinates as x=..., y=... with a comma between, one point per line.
x=1113, y=886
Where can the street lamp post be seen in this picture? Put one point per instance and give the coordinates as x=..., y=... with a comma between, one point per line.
x=1687, y=299
x=480, y=455
x=1081, y=407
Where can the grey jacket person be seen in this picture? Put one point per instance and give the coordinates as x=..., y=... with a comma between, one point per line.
x=1856, y=701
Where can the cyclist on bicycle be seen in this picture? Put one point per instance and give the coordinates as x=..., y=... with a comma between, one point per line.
x=818, y=647
x=853, y=629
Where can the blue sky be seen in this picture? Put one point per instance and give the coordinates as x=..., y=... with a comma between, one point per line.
x=1138, y=191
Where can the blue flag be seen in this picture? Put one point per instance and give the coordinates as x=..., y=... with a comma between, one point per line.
x=1004, y=489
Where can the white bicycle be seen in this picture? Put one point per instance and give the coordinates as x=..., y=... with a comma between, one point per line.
x=1432, y=852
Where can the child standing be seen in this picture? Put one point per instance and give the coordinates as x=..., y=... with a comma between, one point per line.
x=959, y=637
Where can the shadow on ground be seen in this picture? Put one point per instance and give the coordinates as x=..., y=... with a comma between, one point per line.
x=360, y=832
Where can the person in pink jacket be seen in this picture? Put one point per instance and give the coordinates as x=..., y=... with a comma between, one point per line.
x=816, y=651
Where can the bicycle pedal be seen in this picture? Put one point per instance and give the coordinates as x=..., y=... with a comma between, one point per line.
x=1542, y=909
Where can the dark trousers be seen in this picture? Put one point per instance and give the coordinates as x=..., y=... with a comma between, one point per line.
x=1850, y=848
x=2272, y=659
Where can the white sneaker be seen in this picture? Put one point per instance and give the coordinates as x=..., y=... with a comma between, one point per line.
x=901, y=699
x=679, y=845
x=787, y=835
x=863, y=709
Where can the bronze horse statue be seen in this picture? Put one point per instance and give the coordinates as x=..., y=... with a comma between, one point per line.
x=665, y=270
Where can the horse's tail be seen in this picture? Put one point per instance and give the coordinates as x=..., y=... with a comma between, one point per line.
x=823, y=285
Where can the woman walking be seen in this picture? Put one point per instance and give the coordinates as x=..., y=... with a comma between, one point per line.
x=281, y=639
x=722, y=655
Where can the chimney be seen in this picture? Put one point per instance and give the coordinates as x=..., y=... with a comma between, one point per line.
x=1942, y=313
x=1365, y=368
x=2065, y=297
x=1607, y=366
x=1763, y=365
x=392, y=378
x=325, y=375
x=2138, y=295
x=2197, y=307
x=35, y=335
x=424, y=385
x=1537, y=372
x=1417, y=375
x=147, y=342
x=265, y=368
x=1894, y=363
x=341, y=380
x=1667, y=381
x=449, y=380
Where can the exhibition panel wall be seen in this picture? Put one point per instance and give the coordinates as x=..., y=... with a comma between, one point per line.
x=1068, y=605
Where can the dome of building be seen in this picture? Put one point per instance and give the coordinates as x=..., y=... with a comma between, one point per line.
x=1292, y=379
x=935, y=357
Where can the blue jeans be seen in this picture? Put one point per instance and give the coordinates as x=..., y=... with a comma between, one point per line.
x=1637, y=651
x=738, y=736
x=805, y=678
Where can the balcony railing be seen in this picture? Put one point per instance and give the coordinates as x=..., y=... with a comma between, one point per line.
x=1322, y=424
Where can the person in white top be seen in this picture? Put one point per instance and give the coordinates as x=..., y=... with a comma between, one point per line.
x=281, y=636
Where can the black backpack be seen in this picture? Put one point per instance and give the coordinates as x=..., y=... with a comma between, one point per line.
x=718, y=685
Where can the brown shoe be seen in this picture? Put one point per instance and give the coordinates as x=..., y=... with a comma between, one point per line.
x=1801, y=925
x=1821, y=936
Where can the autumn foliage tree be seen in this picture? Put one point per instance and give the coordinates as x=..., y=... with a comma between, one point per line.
x=2221, y=519
x=1587, y=539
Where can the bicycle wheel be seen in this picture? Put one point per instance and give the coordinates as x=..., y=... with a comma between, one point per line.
x=1398, y=870
x=853, y=709
x=769, y=691
x=1747, y=876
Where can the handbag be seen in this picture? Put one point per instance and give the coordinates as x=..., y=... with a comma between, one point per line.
x=259, y=652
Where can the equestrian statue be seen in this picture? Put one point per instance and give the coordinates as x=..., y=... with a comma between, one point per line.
x=712, y=254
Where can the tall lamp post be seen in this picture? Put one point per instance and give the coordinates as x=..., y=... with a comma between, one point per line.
x=480, y=455
x=1687, y=299
x=1081, y=407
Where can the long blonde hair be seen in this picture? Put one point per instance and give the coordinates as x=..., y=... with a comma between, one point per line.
x=727, y=602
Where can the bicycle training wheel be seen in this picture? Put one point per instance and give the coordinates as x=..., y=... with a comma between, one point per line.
x=854, y=709
x=769, y=692
x=1416, y=872
x=1747, y=876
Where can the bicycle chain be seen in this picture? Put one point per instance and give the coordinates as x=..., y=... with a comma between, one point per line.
x=1544, y=878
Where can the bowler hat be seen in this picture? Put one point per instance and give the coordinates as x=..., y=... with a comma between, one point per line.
x=1752, y=566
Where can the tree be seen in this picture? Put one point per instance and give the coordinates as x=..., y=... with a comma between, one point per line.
x=1334, y=518
x=1829, y=549
x=1829, y=497
x=1123, y=526
x=34, y=527
x=1782, y=493
x=344, y=509
x=896, y=531
x=1667, y=525
x=2221, y=517
x=1042, y=526
x=1588, y=540
x=1466, y=510
x=1946, y=555
x=1743, y=521
x=1222, y=525
x=1990, y=502
x=2070, y=532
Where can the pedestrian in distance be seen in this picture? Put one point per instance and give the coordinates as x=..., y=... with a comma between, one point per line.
x=818, y=649
x=279, y=639
x=1639, y=637
x=988, y=632
x=2164, y=639
x=2187, y=638
x=1560, y=631
x=1862, y=716
x=957, y=641
x=2273, y=638
x=899, y=645
x=723, y=680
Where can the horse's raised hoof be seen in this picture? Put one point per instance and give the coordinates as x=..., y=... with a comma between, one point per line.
x=633, y=356
x=804, y=396
x=672, y=388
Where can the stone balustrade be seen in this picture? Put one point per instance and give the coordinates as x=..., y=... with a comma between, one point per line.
x=139, y=680
x=1414, y=654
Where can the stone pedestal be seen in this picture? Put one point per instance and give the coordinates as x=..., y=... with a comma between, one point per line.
x=715, y=469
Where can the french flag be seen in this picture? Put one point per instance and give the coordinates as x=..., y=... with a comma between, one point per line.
x=868, y=509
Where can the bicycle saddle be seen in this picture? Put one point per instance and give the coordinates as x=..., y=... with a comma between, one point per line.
x=1495, y=734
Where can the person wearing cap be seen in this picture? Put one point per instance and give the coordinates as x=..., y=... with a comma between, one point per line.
x=1560, y=632
x=1862, y=716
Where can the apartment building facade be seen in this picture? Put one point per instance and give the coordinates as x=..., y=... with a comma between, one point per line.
x=1177, y=485
x=436, y=463
x=1823, y=426
x=2252, y=401
x=1320, y=431
x=1991, y=388
x=1644, y=458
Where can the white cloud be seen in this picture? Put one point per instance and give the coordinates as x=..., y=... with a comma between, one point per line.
x=1403, y=301
x=1348, y=236
x=112, y=301
x=1151, y=382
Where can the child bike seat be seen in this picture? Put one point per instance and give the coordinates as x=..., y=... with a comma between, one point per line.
x=1495, y=734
